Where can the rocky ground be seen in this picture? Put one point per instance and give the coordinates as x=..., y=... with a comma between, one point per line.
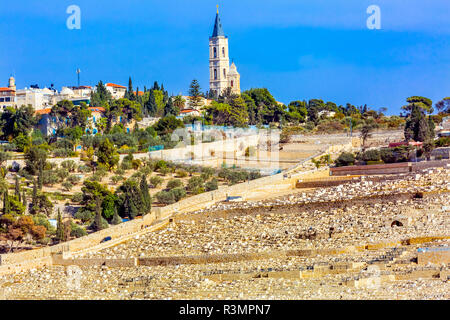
x=343, y=217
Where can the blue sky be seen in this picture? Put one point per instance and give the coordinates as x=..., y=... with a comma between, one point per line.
x=297, y=49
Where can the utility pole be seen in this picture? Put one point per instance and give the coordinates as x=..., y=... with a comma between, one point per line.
x=78, y=73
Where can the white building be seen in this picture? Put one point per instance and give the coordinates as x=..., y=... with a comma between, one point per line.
x=8, y=95
x=37, y=98
x=117, y=91
x=221, y=75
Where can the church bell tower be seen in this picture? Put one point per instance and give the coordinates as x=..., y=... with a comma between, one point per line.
x=219, y=62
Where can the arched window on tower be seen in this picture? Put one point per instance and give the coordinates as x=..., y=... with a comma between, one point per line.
x=225, y=73
x=223, y=51
x=215, y=52
x=215, y=74
x=232, y=83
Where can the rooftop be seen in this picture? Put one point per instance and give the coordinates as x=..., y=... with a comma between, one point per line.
x=218, y=30
x=115, y=85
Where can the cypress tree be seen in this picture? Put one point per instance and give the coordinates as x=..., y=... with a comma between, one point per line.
x=137, y=95
x=151, y=106
x=59, y=227
x=24, y=199
x=17, y=189
x=40, y=177
x=130, y=93
x=6, y=206
x=146, y=199
x=34, y=196
x=99, y=222
x=116, y=218
x=171, y=109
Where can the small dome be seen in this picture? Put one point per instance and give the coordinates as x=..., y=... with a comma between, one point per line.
x=66, y=92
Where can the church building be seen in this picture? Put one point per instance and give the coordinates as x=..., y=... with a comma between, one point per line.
x=221, y=74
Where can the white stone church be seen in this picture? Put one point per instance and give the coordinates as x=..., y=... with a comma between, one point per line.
x=221, y=74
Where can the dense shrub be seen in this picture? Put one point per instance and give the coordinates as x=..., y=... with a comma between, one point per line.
x=117, y=178
x=165, y=197
x=164, y=171
x=178, y=193
x=156, y=181
x=77, y=197
x=398, y=154
x=194, y=183
x=84, y=215
x=370, y=155
x=84, y=169
x=69, y=165
x=77, y=231
x=125, y=165
x=174, y=183
x=74, y=178
x=443, y=142
x=345, y=159
x=211, y=185
x=67, y=185
x=63, y=153
x=181, y=173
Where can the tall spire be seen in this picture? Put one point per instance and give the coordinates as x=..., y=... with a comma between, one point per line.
x=218, y=31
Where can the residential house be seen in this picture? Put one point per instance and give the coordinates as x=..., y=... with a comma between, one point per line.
x=117, y=91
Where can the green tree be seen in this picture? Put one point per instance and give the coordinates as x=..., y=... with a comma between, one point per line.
x=129, y=94
x=16, y=121
x=109, y=206
x=417, y=126
x=116, y=218
x=179, y=102
x=345, y=159
x=130, y=110
x=6, y=205
x=265, y=109
x=17, y=188
x=24, y=199
x=443, y=105
x=167, y=125
x=195, y=94
x=35, y=159
x=107, y=154
x=145, y=194
x=171, y=109
x=424, y=104
x=101, y=96
x=59, y=227
x=366, y=130
x=68, y=115
x=22, y=142
x=150, y=106
x=130, y=197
